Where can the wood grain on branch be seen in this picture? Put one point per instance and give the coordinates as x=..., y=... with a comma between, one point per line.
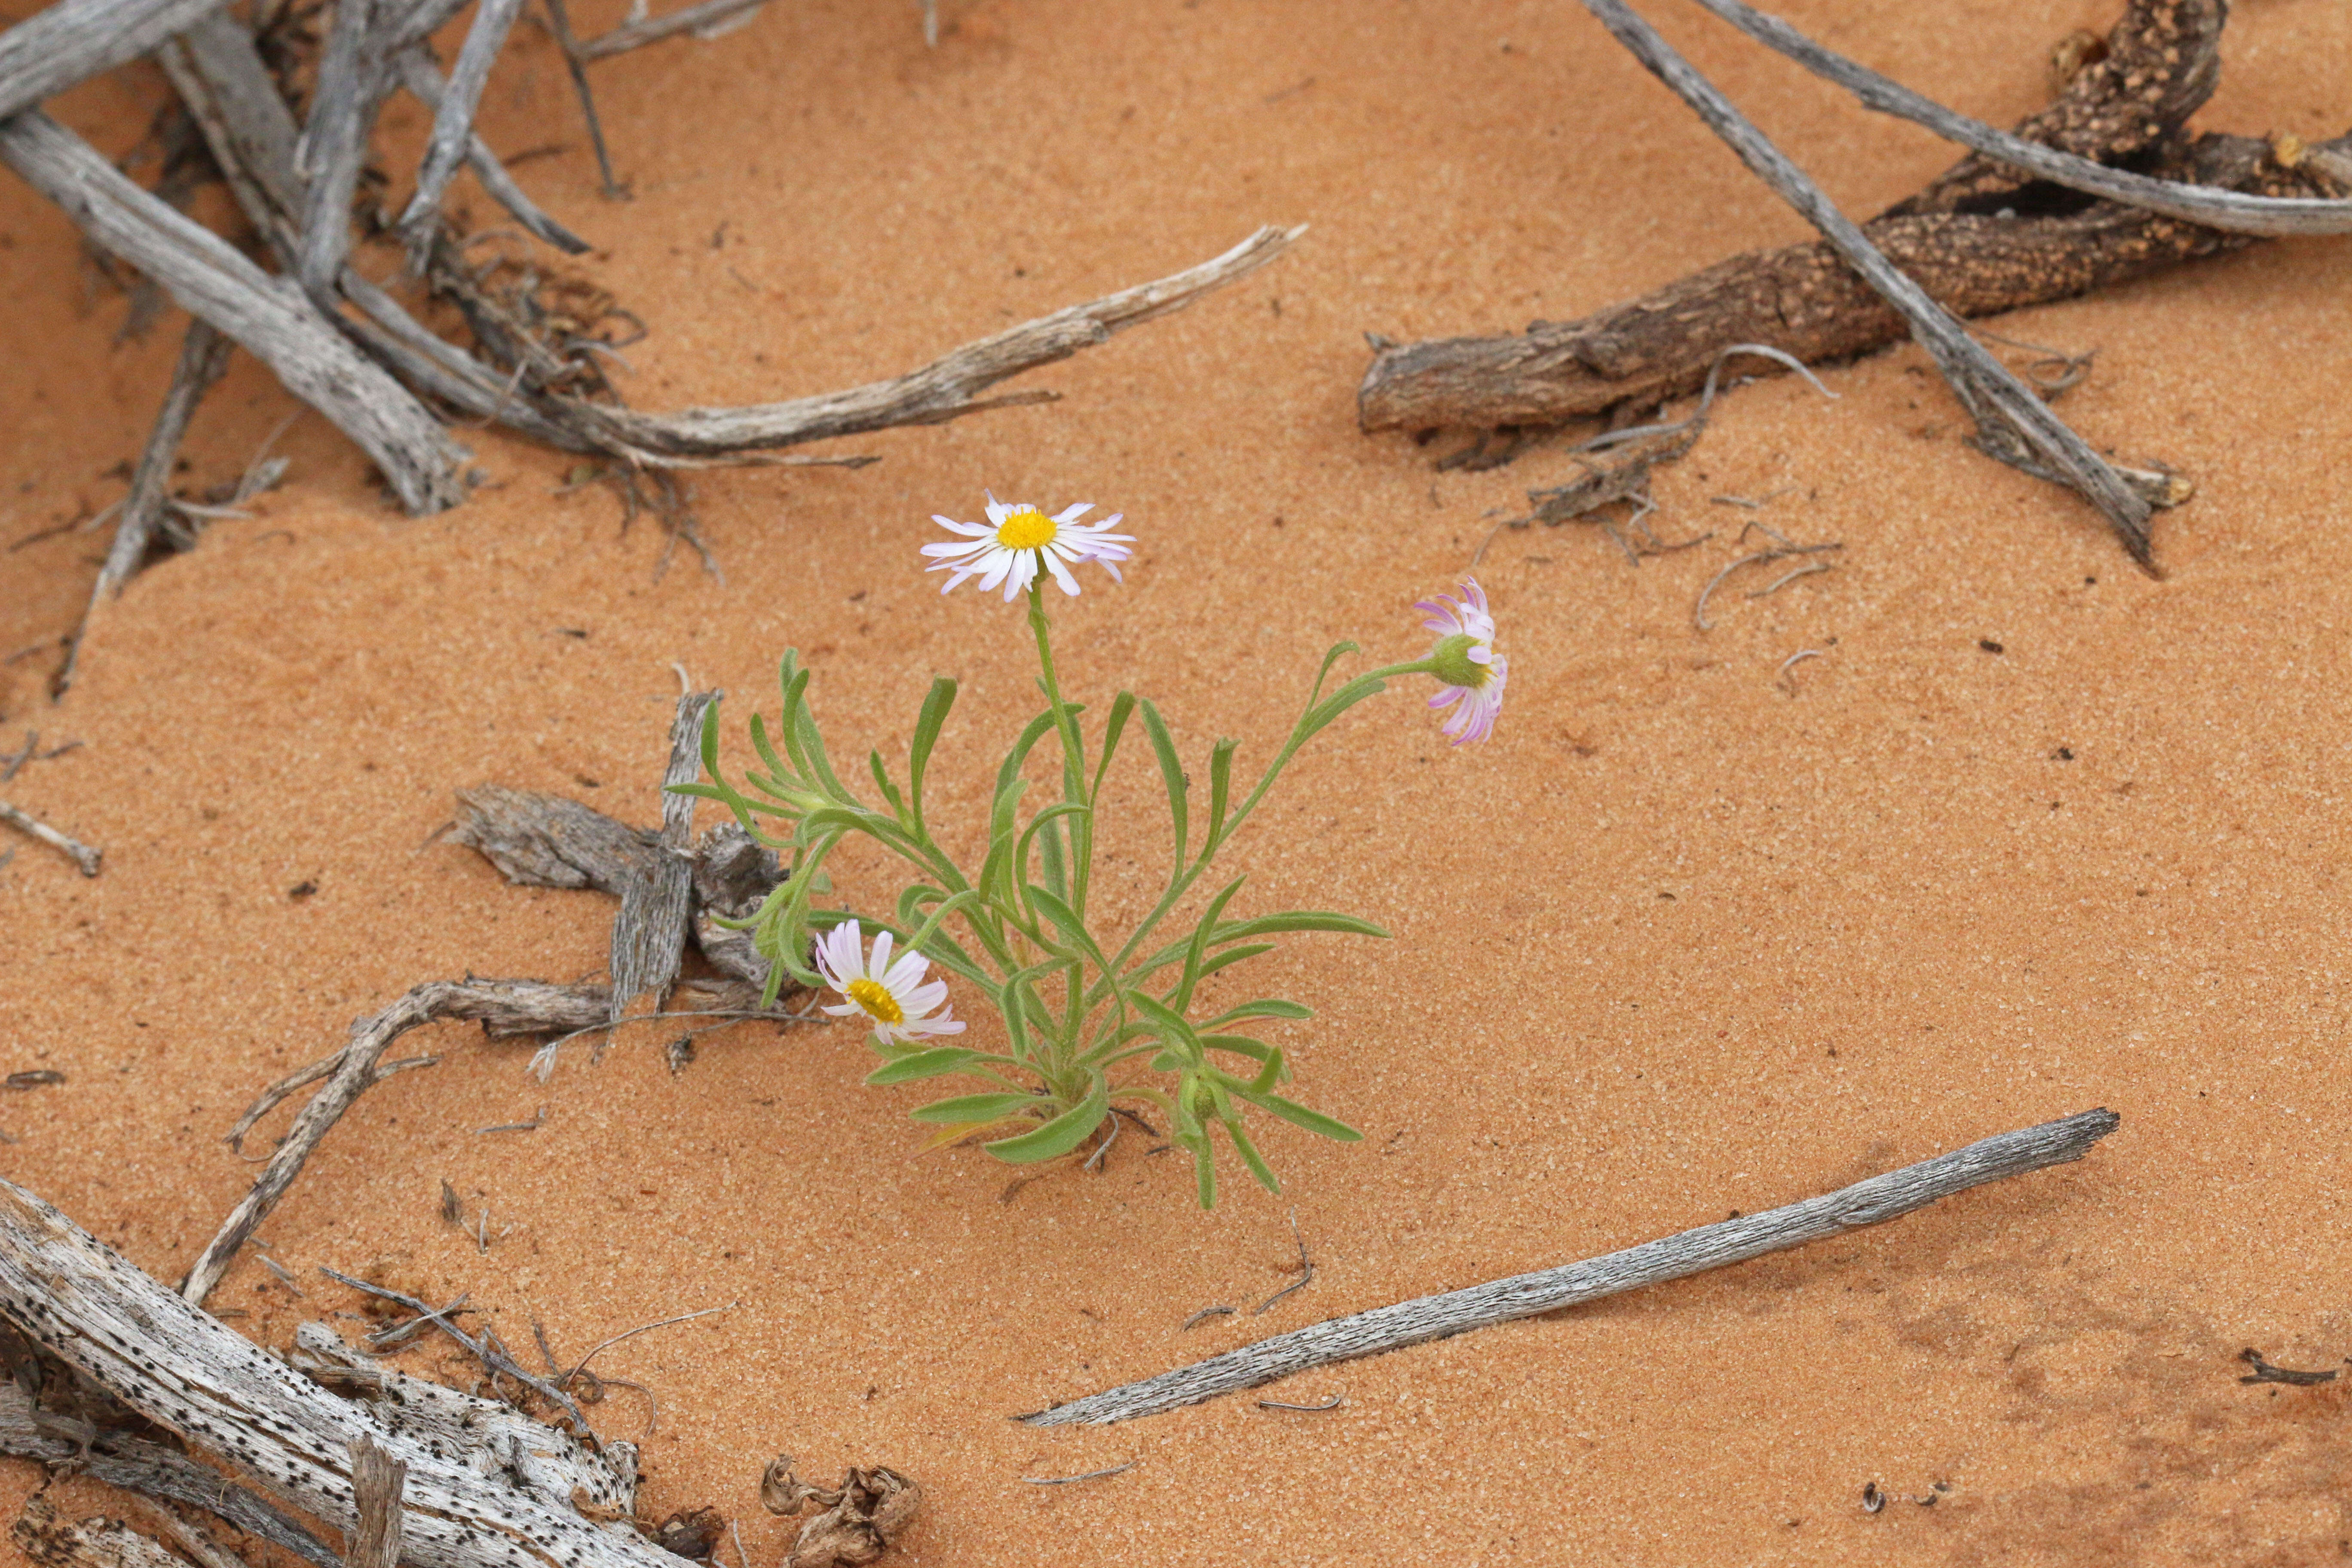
x=210, y=279
x=70, y=42
x=187, y=1372
x=1866, y=1203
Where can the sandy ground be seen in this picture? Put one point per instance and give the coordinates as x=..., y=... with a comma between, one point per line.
x=1677, y=943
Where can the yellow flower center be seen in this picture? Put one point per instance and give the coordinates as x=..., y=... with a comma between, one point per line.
x=876, y=998
x=1025, y=529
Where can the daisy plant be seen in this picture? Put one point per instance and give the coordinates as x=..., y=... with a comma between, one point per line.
x=1095, y=1021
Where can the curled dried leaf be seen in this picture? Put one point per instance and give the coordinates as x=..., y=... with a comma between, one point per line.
x=861, y=1517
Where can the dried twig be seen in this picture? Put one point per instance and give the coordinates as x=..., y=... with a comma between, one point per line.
x=83, y=855
x=377, y=1481
x=259, y=1417
x=656, y=902
x=204, y=356
x=1088, y=1475
x=485, y=1349
x=2264, y=1371
x=211, y=279
x=1866, y=1203
x=2231, y=211
x=73, y=40
x=653, y=29
x=453, y=137
x=423, y=82
x=1305, y=1271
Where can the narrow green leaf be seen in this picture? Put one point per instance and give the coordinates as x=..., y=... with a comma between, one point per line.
x=1205, y=1174
x=1171, y=774
x=1060, y=1135
x=1232, y=955
x=1263, y=1007
x=1241, y=1046
x=1182, y=997
x=977, y=1108
x=1297, y=1115
x=1294, y=920
x=1221, y=789
x=1120, y=707
x=882, y=782
x=1273, y=1073
x=819, y=766
x=937, y=704
x=1251, y=1157
x=927, y=1064
x=1049, y=904
x=1049, y=842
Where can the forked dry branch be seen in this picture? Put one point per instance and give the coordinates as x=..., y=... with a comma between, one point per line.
x=669, y=889
x=1985, y=237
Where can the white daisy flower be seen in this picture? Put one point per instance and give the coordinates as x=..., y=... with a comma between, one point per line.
x=1017, y=539
x=892, y=995
x=1471, y=672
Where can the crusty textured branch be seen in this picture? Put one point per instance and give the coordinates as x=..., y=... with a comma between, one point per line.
x=1383, y=1329
x=1801, y=299
x=657, y=903
x=190, y=1374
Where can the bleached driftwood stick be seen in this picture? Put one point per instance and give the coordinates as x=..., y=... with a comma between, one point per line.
x=1871, y=1201
x=657, y=903
x=211, y=279
x=187, y=1372
x=74, y=40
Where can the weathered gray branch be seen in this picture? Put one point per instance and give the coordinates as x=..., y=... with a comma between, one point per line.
x=26, y=822
x=653, y=29
x=2012, y=424
x=1866, y=1203
x=453, y=137
x=191, y=1375
x=424, y=82
x=209, y=278
x=73, y=40
x=657, y=903
x=2229, y=210
x=944, y=389
x=540, y=840
x=147, y=1469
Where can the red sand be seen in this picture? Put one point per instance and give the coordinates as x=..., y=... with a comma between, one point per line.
x=1676, y=942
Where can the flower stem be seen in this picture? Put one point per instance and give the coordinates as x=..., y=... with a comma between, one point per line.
x=1073, y=790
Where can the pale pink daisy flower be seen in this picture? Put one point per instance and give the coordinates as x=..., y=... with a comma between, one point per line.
x=892, y=996
x=1017, y=539
x=1467, y=667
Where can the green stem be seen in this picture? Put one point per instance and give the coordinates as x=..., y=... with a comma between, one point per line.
x=1073, y=790
x=1300, y=732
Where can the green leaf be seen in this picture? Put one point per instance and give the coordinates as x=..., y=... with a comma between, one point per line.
x=1171, y=774
x=1011, y=767
x=1263, y=1007
x=1294, y=920
x=1273, y=1073
x=1020, y=855
x=1182, y=997
x=882, y=782
x=978, y=1107
x=1120, y=707
x=1339, y=651
x=1205, y=1174
x=819, y=766
x=1221, y=789
x=1297, y=1115
x=1060, y=1135
x=1234, y=955
x=937, y=703
x=1066, y=920
x=1251, y=1157
x=925, y=1064
x=1241, y=1046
